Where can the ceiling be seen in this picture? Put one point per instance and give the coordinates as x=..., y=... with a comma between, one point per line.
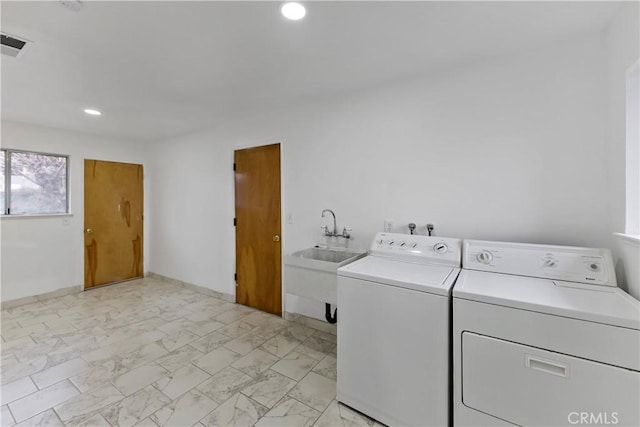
x=160, y=69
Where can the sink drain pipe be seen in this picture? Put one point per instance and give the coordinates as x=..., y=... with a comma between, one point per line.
x=327, y=313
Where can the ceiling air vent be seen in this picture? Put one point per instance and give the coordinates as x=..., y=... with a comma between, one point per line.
x=12, y=45
x=72, y=5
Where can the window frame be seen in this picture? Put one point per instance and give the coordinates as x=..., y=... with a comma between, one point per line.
x=632, y=148
x=7, y=184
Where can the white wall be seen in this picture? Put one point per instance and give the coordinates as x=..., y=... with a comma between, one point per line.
x=623, y=50
x=512, y=148
x=41, y=254
x=191, y=236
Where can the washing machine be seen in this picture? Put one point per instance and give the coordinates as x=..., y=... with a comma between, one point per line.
x=394, y=329
x=543, y=336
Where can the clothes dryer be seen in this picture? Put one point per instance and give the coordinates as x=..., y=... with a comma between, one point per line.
x=543, y=336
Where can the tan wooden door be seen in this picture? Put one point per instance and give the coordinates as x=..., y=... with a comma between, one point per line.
x=258, y=253
x=113, y=208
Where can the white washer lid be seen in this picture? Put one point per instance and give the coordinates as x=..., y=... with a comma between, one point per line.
x=600, y=304
x=431, y=278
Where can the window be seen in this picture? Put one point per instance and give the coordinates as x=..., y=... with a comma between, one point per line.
x=34, y=183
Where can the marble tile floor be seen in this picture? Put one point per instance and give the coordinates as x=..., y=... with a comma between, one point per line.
x=150, y=353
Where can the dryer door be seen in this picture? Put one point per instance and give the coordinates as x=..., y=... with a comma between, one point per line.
x=528, y=386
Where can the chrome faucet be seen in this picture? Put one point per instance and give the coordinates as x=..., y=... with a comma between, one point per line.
x=335, y=227
x=334, y=233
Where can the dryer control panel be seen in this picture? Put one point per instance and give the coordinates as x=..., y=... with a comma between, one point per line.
x=418, y=248
x=566, y=263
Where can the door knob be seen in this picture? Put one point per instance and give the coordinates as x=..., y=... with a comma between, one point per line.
x=88, y=230
x=276, y=238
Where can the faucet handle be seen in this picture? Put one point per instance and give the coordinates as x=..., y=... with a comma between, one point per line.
x=346, y=232
x=325, y=229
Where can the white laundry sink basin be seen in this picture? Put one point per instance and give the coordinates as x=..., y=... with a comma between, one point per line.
x=336, y=257
x=312, y=273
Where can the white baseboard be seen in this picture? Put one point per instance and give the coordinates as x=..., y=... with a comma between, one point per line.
x=4, y=305
x=40, y=297
x=191, y=286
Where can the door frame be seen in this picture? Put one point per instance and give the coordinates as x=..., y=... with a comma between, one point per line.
x=244, y=146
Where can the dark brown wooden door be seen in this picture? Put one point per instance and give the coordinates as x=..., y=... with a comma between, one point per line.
x=113, y=207
x=258, y=253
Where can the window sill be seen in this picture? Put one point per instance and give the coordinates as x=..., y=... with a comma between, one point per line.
x=628, y=238
x=26, y=216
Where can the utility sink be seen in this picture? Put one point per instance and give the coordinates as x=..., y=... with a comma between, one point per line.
x=313, y=273
x=335, y=257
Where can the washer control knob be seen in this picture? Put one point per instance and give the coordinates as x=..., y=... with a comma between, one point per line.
x=390, y=242
x=440, y=248
x=380, y=241
x=413, y=245
x=594, y=266
x=403, y=243
x=550, y=263
x=484, y=257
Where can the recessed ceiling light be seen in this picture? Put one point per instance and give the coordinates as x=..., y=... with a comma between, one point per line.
x=293, y=10
x=92, y=112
